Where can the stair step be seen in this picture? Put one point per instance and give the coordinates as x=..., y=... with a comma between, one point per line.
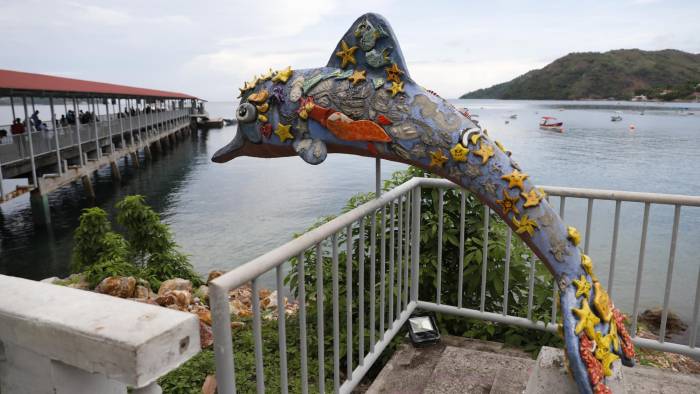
x=462, y=370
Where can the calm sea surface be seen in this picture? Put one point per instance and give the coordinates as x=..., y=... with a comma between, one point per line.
x=226, y=214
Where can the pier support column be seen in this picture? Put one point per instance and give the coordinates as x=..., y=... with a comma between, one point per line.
x=147, y=151
x=135, y=159
x=41, y=213
x=116, y=174
x=87, y=185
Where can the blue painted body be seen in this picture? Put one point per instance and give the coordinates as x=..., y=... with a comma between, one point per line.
x=422, y=123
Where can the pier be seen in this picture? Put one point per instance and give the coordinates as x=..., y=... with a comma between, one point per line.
x=89, y=125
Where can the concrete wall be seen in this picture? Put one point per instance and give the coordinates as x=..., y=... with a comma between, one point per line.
x=55, y=339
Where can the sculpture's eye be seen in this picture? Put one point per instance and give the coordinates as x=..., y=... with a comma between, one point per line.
x=246, y=113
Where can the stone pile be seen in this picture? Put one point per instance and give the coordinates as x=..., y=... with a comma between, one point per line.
x=179, y=294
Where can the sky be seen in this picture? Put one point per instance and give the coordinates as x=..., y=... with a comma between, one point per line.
x=208, y=48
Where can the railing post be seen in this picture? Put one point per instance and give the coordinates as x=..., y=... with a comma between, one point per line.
x=98, y=148
x=31, y=145
x=121, y=123
x=55, y=136
x=378, y=177
x=77, y=131
x=109, y=129
x=223, y=344
x=415, y=243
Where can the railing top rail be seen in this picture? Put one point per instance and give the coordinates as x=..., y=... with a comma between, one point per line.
x=260, y=265
x=596, y=194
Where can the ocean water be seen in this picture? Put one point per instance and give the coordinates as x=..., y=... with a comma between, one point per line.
x=224, y=215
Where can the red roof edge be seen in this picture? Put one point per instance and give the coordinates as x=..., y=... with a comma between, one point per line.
x=23, y=81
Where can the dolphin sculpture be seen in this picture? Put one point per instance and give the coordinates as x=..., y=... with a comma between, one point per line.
x=364, y=102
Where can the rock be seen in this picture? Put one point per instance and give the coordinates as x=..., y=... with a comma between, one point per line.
x=203, y=314
x=175, y=284
x=652, y=318
x=179, y=298
x=240, y=309
x=51, y=280
x=264, y=293
x=117, y=286
x=209, y=386
x=213, y=275
x=237, y=324
x=144, y=293
x=203, y=293
x=206, y=335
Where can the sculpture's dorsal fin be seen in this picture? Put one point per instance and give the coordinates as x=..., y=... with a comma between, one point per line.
x=370, y=45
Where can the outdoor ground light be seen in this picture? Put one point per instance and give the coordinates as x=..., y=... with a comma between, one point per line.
x=423, y=330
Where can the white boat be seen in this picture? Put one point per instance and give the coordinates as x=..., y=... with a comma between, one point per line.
x=551, y=124
x=617, y=117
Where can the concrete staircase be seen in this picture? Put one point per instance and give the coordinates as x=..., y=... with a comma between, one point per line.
x=460, y=365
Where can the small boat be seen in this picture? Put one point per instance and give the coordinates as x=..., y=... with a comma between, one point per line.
x=617, y=117
x=550, y=123
x=514, y=116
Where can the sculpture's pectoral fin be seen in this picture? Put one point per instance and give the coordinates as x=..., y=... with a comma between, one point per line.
x=312, y=151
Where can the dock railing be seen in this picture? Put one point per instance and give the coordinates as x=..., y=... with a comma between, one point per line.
x=94, y=133
x=393, y=281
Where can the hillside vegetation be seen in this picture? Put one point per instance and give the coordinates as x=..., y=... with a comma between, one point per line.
x=621, y=74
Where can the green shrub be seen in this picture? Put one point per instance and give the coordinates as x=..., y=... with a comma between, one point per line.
x=147, y=250
x=89, y=238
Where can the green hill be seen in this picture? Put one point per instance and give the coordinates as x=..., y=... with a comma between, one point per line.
x=667, y=75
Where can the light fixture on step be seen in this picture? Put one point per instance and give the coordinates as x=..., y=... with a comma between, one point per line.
x=423, y=330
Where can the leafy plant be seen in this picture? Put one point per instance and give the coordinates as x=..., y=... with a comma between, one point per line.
x=148, y=249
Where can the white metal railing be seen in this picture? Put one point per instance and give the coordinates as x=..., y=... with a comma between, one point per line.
x=399, y=211
x=65, y=137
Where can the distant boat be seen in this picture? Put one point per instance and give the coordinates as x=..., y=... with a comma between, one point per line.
x=514, y=116
x=617, y=117
x=550, y=123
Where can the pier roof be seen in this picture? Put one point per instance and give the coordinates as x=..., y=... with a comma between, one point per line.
x=23, y=83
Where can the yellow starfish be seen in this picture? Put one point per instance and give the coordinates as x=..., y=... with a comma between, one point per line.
x=437, y=158
x=346, y=54
x=525, y=225
x=459, y=152
x=587, y=265
x=396, y=88
x=583, y=287
x=607, y=361
x=263, y=108
x=485, y=151
x=283, y=75
x=587, y=319
x=474, y=138
x=532, y=198
x=515, y=179
x=357, y=76
x=601, y=301
x=284, y=132
x=393, y=73
x=573, y=235
x=508, y=203
x=603, y=343
x=613, y=336
x=500, y=146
